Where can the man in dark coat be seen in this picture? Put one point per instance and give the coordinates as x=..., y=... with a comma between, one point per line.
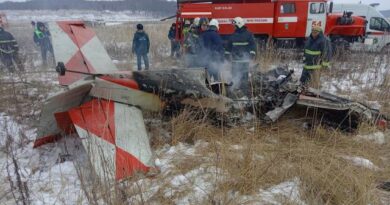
x=141, y=45
x=9, y=51
x=175, y=45
x=212, y=49
x=241, y=47
x=317, y=55
x=42, y=38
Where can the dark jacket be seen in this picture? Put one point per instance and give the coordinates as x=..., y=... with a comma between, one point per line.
x=317, y=52
x=241, y=44
x=8, y=43
x=172, y=33
x=141, y=43
x=211, y=45
x=192, y=43
x=42, y=37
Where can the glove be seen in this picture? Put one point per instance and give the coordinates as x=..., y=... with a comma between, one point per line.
x=252, y=55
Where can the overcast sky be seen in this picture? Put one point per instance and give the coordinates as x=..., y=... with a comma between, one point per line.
x=384, y=4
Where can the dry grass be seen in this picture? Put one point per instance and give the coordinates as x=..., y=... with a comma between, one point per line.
x=249, y=157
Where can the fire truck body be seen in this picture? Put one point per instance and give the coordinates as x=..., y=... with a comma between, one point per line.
x=269, y=19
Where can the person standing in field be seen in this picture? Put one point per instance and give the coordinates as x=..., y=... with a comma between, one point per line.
x=192, y=45
x=42, y=38
x=175, y=45
x=241, y=48
x=9, y=51
x=316, y=56
x=141, y=45
x=212, y=49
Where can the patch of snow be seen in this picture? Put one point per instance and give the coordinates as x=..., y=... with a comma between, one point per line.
x=289, y=190
x=283, y=193
x=377, y=137
x=361, y=162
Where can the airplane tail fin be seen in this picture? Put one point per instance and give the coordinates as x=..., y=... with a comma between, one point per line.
x=81, y=52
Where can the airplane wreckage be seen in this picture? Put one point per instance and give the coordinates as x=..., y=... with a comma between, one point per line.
x=104, y=105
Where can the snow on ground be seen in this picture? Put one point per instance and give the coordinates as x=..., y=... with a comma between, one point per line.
x=361, y=162
x=94, y=16
x=284, y=193
x=48, y=180
x=377, y=137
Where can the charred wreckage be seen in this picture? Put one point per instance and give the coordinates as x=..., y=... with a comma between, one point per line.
x=104, y=105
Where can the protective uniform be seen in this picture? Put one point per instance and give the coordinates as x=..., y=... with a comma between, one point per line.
x=42, y=39
x=175, y=45
x=9, y=51
x=212, y=49
x=317, y=55
x=242, y=49
x=141, y=45
x=192, y=47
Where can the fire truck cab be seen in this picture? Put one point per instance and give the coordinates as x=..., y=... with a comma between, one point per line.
x=377, y=29
x=284, y=21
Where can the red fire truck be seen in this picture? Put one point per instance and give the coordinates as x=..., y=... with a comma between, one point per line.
x=283, y=21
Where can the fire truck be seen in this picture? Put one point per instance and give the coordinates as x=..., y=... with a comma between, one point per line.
x=286, y=22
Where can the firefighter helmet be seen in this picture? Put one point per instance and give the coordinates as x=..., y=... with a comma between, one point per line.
x=239, y=22
x=196, y=21
x=214, y=22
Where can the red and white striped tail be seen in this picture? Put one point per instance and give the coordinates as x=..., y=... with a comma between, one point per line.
x=115, y=138
x=78, y=47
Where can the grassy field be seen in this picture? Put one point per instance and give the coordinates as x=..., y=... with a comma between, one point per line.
x=237, y=165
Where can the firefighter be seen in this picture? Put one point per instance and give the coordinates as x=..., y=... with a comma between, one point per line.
x=241, y=48
x=316, y=56
x=141, y=45
x=9, y=51
x=175, y=45
x=192, y=46
x=42, y=39
x=186, y=28
x=212, y=49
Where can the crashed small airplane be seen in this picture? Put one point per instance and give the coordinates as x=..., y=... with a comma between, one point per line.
x=104, y=105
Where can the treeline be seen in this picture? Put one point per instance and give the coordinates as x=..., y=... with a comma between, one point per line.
x=155, y=6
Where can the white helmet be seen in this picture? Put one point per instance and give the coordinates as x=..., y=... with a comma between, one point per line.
x=214, y=22
x=239, y=22
x=196, y=21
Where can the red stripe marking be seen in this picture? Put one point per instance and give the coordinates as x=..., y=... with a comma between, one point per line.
x=130, y=83
x=126, y=164
x=97, y=117
x=82, y=34
x=64, y=122
x=46, y=140
x=65, y=26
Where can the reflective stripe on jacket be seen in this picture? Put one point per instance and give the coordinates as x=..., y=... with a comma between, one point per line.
x=241, y=44
x=317, y=52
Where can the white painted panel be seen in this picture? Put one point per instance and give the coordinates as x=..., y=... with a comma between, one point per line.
x=63, y=46
x=247, y=20
x=111, y=91
x=292, y=19
x=131, y=134
x=100, y=153
x=97, y=55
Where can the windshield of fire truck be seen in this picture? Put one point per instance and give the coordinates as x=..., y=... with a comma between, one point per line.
x=317, y=8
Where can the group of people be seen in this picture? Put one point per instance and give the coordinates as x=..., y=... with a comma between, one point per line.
x=204, y=47
x=9, y=48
